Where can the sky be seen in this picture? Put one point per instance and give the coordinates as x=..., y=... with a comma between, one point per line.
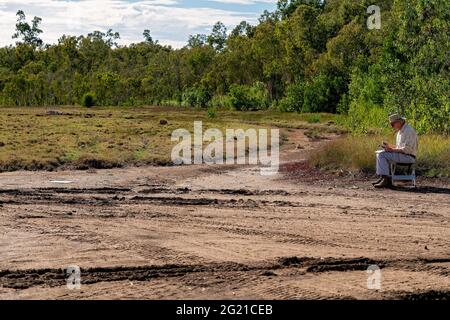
x=170, y=21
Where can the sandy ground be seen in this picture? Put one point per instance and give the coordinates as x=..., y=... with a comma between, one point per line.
x=218, y=232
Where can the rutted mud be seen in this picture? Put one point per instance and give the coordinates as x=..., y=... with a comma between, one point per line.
x=104, y=197
x=52, y=278
x=57, y=277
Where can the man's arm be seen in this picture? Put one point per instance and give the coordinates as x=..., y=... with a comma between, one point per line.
x=405, y=145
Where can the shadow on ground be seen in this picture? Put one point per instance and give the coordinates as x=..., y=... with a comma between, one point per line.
x=424, y=189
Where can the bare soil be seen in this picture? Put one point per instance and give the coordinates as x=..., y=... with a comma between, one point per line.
x=221, y=232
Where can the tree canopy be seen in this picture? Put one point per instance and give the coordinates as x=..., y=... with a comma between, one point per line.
x=306, y=56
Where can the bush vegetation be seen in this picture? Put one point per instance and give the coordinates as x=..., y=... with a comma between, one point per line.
x=305, y=56
x=249, y=98
x=88, y=100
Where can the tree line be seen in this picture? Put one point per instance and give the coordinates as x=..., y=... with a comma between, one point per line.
x=306, y=56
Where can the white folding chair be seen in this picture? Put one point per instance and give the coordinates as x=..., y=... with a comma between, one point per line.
x=410, y=174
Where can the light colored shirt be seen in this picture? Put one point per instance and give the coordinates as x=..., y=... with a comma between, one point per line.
x=407, y=140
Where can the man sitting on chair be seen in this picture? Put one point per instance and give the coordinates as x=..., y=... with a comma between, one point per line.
x=404, y=151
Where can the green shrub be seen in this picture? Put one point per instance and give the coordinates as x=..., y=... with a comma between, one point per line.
x=203, y=97
x=249, y=98
x=367, y=117
x=239, y=97
x=189, y=97
x=221, y=102
x=196, y=97
x=343, y=104
x=293, y=100
x=430, y=119
x=322, y=94
x=423, y=99
x=88, y=100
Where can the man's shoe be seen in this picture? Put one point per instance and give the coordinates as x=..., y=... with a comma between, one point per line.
x=386, y=182
x=378, y=181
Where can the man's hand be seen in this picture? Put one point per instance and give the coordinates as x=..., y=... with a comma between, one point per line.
x=388, y=147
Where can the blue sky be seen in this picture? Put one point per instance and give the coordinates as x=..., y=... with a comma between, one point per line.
x=170, y=21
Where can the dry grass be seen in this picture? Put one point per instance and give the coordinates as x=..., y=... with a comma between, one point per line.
x=356, y=153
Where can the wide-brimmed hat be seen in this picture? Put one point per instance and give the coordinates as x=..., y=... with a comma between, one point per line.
x=396, y=118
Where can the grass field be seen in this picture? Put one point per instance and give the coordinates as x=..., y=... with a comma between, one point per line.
x=41, y=138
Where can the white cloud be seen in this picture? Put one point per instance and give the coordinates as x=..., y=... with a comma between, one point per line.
x=244, y=2
x=169, y=23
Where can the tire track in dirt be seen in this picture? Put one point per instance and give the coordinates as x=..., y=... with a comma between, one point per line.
x=119, y=196
x=28, y=197
x=277, y=236
x=23, y=279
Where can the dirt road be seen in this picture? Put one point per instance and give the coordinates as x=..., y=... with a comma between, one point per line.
x=220, y=233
